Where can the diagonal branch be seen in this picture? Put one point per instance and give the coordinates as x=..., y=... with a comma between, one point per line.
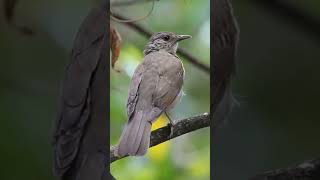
x=189, y=57
x=129, y=2
x=307, y=170
x=181, y=127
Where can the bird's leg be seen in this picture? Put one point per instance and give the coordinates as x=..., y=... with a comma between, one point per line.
x=172, y=124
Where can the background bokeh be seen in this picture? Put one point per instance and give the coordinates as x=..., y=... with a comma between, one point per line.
x=32, y=68
x=277, y=84
x=188, y=156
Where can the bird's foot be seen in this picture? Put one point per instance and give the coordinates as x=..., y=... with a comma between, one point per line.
x=172, y=125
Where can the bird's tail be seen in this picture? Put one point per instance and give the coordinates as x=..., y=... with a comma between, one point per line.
x=135, y=138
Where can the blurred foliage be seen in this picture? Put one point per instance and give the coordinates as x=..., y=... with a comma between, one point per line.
x=32, y=69
x=310, y=7
x=277, y=85
x=186, y=157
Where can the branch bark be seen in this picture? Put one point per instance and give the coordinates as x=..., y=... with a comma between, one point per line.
x=307, y=170
x=185, y=54
x=181, y=127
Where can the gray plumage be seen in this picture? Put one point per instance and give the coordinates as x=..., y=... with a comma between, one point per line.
x=155, y=87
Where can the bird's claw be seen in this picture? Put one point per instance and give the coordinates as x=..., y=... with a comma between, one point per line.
x=171, y=124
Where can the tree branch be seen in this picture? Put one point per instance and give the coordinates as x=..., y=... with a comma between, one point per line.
x=189, y=57
x=181, y=127
x=307, y=170
x=129, y=2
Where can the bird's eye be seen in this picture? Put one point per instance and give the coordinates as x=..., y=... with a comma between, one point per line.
x=166, y=38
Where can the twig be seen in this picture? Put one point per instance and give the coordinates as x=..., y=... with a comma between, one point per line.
x=129, y=2
x=181, y=127
x=189, y=57
x=307, y=170
x=132, y=20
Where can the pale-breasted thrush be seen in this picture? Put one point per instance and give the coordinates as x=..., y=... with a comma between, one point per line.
x=156, y=87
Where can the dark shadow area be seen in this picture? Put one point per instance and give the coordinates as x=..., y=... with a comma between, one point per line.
x=277, y=86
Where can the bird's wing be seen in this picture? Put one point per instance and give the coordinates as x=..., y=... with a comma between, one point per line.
x=74, y=107
x=142, y=87
x=133, y=90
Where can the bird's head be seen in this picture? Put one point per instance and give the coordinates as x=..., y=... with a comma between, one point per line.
x=167, y=41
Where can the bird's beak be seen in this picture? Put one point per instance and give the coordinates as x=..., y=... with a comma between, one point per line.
x=183, y=37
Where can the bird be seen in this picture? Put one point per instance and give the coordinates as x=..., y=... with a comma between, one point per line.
x=155, y=88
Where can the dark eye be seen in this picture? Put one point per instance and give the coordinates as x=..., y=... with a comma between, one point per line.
x=166, y=38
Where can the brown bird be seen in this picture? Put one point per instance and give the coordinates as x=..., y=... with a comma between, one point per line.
x=156, y=87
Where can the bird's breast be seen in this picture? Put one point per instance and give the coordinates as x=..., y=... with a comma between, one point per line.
x=176, y=100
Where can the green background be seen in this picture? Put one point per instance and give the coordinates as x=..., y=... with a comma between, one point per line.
x=188, y=156
x=32, y=69
x=277, y=85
